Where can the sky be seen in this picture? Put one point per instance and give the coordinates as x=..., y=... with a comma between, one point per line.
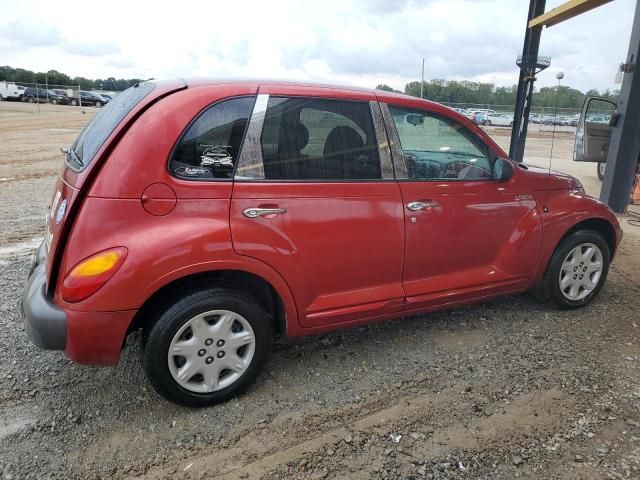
x=357, y=42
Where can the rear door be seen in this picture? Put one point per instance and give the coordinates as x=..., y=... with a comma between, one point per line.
x=594, y=132
x=314, y=198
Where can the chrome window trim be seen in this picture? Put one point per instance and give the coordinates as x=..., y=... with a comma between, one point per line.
x=250, y=163
x=384, y=153
x=399, y=165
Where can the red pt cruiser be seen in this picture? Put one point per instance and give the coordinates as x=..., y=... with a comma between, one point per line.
x=214, y=215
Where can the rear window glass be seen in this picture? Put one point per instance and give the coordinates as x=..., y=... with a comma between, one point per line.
x=104, y=123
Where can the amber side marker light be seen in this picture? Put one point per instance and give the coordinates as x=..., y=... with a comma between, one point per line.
x=91, y=274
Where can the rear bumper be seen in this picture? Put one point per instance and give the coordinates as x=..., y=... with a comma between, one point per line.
x=91, y=338
x=44, y=321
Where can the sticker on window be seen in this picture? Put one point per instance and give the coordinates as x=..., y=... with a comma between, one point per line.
x=194, y=172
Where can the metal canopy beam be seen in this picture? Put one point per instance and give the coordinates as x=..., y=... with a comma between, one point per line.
x=524, y=94
x=565, y=11
x=624, y=148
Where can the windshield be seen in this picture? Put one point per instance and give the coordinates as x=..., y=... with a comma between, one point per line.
x=103, y=124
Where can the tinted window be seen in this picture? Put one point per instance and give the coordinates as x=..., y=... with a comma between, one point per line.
x=104, y=122
x=435, y=147
x=318, y=139
x=209, y=148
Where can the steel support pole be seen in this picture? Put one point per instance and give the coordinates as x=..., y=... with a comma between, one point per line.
x=525, y=82
x=624, y=148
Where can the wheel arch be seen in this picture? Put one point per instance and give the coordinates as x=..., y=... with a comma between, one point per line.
x=599, y=225
x=250, y=283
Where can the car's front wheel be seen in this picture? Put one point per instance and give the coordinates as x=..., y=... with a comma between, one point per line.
x=207, y=346
x=98, y=104
x=602, y=166
x=487, y=123
x=577, y=270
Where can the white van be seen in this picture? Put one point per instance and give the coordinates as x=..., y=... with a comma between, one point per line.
x=10, y=91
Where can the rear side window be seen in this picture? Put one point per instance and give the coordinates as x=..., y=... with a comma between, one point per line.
x=209, y=148
x=319, y=139
x=104, y=123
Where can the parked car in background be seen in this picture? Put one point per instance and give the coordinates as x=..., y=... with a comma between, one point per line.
x=89, y=98
x=254, y=203
x=67, y=93
x=10, y=91
x=42, y=95
x=499, y=120
x=535, y=117
x=107, y=96
x=476, y=117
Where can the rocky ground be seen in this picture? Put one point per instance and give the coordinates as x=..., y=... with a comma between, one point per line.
x=502, y=390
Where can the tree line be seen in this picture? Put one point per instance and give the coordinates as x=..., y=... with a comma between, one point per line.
x=466, y=92
x=54, y=77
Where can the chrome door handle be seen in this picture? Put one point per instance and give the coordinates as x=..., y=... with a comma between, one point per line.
x=254, y=212
x=415, y=206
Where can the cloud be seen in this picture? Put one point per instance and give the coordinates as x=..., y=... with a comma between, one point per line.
x=361, y=42
x=21, y=34
x=90, y=48
x=120, y=62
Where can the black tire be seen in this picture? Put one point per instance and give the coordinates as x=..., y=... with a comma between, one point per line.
x=487, y=123
x=600, y=169
x=54, y=102
x=31, y=99
x=74, y=102
x=511, y=125
x=549, y=289
x=160, y=334
x=98, y=104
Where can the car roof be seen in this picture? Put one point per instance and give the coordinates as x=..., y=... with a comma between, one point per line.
x=381, y=94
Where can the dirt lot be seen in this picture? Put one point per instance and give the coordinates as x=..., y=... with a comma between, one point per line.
x=507, y=389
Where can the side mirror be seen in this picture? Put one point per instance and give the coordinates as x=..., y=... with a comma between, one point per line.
x=502, y=170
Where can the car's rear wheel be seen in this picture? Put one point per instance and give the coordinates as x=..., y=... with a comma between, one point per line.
x=98, y=104
x=601, y=169
x=31, y=99
x=577, y=270
x=487, y=123
x=74, y=102
x=511, y=124
x=54, y=101
x=207, y=346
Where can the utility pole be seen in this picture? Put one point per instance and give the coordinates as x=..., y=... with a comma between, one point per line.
x=422, y=79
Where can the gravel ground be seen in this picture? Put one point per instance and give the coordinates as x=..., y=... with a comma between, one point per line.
x=506, y=389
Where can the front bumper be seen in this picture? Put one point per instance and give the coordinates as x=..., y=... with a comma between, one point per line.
x=45, y=322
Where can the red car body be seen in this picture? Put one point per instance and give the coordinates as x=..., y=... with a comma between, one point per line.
x=347, y=253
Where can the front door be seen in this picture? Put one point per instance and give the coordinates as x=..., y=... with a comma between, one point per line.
x=467, y=235
x=314, y=198
x=594, y=132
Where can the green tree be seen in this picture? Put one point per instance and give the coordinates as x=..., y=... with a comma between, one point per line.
x=386, y=88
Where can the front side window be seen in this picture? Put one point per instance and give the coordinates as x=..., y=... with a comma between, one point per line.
x=437, y=148
x=209, y=148
x=319, y=139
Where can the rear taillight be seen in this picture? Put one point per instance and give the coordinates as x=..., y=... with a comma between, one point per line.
x=91, y=274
